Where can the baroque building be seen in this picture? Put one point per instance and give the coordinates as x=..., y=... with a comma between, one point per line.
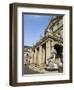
x=48, y=51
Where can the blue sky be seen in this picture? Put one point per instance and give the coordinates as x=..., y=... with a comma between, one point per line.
x=34, y=26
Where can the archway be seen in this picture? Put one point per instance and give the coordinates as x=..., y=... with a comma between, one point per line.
x=59, y=50
x=59, y=54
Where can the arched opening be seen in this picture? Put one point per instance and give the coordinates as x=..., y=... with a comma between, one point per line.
x=59, y=50
x=27, y=55
x=59, y=54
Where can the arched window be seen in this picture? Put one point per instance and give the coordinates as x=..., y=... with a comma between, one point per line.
x=27, y=55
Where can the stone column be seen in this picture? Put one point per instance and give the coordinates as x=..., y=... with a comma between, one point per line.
x=40, y=55
x=35, y=53
x=43, y=56
x=32, y=57
x=37, y=56
x=48, y=50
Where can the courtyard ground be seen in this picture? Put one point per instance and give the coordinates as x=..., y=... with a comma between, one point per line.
x=34, y=69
